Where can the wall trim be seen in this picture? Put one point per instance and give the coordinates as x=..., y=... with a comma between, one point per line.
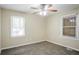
x=38, y=42
x=22, y=44
x=0, y=51
x=63, y=45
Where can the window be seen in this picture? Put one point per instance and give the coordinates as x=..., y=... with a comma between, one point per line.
x=69, y=26
x=17, y=26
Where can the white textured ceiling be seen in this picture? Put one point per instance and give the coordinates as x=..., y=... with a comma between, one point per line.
x=26, y=7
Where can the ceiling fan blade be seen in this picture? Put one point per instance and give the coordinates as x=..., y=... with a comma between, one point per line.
x=53, y=10
x=35, y=12
x=34, y=8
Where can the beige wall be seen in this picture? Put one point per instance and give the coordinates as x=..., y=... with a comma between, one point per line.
x=54, y=31
x=34, y=29
x=37, y=29
x=0, y=30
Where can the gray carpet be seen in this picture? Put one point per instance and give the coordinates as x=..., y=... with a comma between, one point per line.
x=42, y=48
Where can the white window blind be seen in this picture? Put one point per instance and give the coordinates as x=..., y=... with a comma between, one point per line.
x=17, y=26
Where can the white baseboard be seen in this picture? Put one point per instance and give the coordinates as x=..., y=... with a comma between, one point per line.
x=38, y=42
x=0, y=51
x=63, y=45
x=22, y=44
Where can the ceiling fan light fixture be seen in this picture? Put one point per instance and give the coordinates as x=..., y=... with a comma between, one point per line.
x=43, y=13
x=46, y=7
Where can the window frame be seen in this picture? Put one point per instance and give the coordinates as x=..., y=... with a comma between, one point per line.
x=69, y=26
x=11, y=19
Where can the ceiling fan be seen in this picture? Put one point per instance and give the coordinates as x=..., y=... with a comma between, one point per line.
x=43, y=9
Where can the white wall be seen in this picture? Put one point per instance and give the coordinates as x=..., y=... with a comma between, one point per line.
x=54, y=31
x=34, y=29
x=0, y=30
x=37, y=29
